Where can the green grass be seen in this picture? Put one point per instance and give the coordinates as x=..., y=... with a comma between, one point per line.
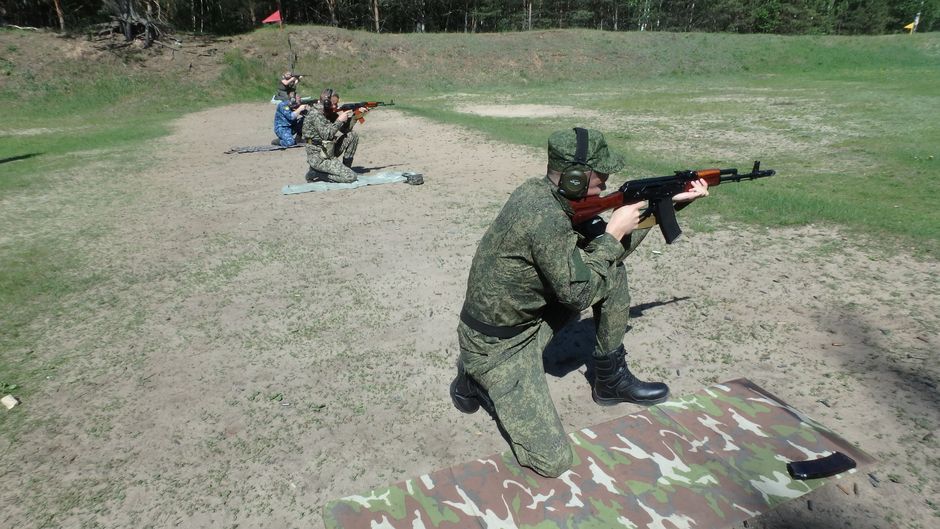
x=849, y=123
x=843, y=120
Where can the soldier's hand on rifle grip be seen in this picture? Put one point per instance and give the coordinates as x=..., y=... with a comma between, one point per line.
x=696, y=189
x=625, y=219
x=343, y=116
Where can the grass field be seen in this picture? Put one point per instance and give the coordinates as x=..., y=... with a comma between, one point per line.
x=848, y=123
x=843, y=120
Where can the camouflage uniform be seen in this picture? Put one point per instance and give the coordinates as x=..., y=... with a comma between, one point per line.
x=328, y=144
x=286, y=92
x=533, y=272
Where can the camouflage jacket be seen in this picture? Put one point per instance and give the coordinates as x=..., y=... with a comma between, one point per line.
x=319, y=128
x=530, y=257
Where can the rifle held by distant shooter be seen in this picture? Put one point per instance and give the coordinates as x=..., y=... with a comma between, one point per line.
x=301, y=101
x=369, y=105
x=658, y=191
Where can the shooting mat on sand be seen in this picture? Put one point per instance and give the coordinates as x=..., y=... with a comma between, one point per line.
x=261, y=148
x=385, y=177
x=706, y=461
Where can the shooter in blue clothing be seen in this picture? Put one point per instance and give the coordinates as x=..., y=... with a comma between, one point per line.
x=288, y=121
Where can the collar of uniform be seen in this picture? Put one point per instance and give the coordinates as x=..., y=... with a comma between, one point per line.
x=564, y=202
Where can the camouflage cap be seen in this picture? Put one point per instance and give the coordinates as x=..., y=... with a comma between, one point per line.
x=563, y=144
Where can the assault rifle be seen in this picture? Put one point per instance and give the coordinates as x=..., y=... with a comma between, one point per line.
x=360, y=116
x=658, y=191
x=302, y=101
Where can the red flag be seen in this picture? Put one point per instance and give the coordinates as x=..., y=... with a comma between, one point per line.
x=275, y=17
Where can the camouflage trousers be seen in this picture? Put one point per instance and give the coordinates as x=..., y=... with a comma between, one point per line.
x=331, y=163
x=512, y=373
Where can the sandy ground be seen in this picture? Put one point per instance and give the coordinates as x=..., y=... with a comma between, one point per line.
x=256, y=355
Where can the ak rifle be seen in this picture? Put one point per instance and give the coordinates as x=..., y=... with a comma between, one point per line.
x=658, y=191
x=302, y=101
x=369, y=105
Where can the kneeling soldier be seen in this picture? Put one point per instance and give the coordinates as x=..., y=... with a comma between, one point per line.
x=330, y=138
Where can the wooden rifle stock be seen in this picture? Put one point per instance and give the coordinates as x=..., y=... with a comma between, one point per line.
x=590, y=207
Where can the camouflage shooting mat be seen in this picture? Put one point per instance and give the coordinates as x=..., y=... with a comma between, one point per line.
x=385, y=177
x=261, y=148
x=705, y=461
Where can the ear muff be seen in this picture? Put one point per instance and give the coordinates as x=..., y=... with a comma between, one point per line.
x=327, y=99
x=576, y=177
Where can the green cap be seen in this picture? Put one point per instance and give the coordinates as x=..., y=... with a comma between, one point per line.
x=563, y=144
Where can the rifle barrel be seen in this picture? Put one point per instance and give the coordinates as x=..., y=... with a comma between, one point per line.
x=755, y=173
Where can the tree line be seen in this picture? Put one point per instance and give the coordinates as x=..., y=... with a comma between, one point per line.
x=837, y=17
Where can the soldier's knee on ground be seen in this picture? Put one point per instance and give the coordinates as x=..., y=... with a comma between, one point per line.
x=556, y=460
x=286, y=138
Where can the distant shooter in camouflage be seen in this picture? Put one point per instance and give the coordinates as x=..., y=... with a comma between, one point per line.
x=287, y=87
x=533, y=273
x=330, y=138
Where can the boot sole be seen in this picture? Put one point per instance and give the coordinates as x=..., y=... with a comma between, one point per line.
x=613, y=402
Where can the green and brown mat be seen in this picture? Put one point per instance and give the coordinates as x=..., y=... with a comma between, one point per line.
x=705, y=461
x=261, y=148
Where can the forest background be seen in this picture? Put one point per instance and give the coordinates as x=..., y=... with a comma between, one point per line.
x=225, y=17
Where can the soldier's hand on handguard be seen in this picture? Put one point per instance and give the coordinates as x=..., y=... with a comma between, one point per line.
x=625, y=219
x=699, y=190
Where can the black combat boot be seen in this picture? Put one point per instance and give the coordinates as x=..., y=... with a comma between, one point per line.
x=466, y=393
x=312, y=176
x=348, y=162
x=614, y=383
